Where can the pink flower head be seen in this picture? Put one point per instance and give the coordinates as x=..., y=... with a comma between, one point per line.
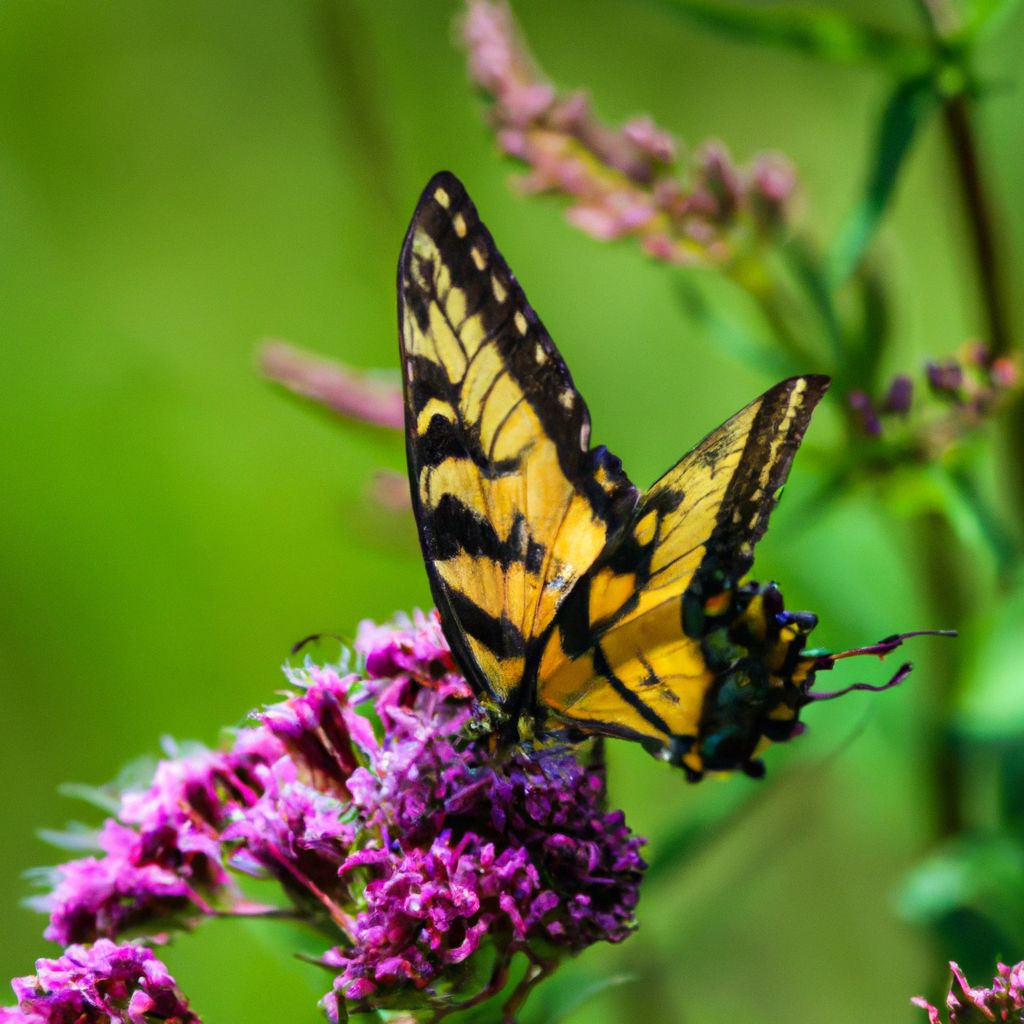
x=1003, y=1001
x=101, y=984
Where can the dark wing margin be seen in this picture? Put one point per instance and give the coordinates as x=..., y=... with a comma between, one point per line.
x=511, y=504
x=782, y=416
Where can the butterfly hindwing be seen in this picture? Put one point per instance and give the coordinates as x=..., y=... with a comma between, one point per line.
x=627, y=653
x=511, y=503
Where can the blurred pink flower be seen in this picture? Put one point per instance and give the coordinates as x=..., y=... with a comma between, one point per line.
x=370, y=397
x=623, y=182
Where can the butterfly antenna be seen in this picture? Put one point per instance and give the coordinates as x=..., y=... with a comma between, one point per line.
x=826, y=661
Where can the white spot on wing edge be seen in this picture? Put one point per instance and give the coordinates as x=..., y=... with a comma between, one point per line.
x=459, y=223
x=479, y=257
x=521, y=325
x=442, y=197
x=540, y=355
x=500, y=291
x=567, y=399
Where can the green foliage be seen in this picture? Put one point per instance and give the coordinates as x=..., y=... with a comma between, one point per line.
x=813, y=32
x=905, y=113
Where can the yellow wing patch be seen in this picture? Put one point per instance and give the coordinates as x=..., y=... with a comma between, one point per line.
x=512, y=505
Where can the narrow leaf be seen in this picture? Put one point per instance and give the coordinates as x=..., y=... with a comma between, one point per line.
x=825, y=35
x=75, y=837
x=583, y=996
x=907, y=110
x=741, y=344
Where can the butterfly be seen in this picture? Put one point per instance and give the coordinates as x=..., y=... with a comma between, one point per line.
x=575, y=604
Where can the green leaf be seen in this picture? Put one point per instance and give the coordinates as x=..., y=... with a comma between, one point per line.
x=76, y=836
x=907, y=110
x=100, y=798
x=806, y=266
x=579, y=997
x=981, y=521
x=825, y=35
x=990, y=706
x=983, y=872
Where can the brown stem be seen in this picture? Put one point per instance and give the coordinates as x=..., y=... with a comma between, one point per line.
x=958, y=114
x=941, y=21
x=536, y=972
x=960, y=132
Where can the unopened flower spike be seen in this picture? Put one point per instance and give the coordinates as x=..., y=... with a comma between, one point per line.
x=626, y=181
x=964, y=391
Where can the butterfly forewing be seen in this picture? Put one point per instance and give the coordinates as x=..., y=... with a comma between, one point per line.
x=625, y=655
x=511, y=503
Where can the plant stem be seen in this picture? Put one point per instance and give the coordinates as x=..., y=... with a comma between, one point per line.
x=941, y=22
x=948, y=600
x=960, y=132
x=536, y=972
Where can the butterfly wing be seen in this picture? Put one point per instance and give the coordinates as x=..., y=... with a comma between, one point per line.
x=511, y=504
x=628, y=652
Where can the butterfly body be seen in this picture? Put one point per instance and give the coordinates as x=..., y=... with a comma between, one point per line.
x=574, y=603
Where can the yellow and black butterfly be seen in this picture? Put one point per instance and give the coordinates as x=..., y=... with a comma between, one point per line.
x=575, y=604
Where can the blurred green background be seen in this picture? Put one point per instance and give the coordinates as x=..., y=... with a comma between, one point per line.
x=178, y=181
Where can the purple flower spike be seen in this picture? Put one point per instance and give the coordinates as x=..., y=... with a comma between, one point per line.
x=899, y=396
x=320, y=730
x=102, y=896
x=101, y=984
x=945, y=378
x=1004, y=1001
x=354, y=394
x=864, y=413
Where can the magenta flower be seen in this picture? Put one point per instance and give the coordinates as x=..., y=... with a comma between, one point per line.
x=374, y=805
x=101, y=984
x=1004, y=1001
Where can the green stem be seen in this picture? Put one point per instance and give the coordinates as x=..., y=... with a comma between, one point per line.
x=944, y=581
x=345, y=43
x=536, y=972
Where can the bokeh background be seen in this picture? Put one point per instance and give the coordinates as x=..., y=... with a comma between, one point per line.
x=178, y=181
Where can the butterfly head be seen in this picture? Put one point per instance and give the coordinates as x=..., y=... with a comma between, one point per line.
x=763, y=677
x=753, y=647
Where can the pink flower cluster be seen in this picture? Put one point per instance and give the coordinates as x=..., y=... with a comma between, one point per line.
x=625, y=182
x=375, y=803
x=99, y=984
x=1004, y=1001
